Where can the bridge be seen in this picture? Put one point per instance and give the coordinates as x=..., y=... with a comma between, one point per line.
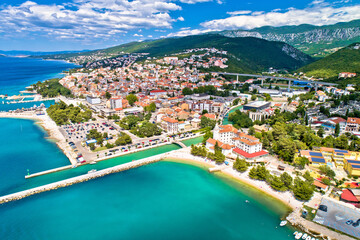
x=180, y=144
x=315, y=83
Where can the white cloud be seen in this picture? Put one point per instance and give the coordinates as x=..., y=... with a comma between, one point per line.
x=243, y=12
x=194, y=1
x=318, y=13
x=188, y=32
x=83, y=19
x=181, y=19
x=137, y=35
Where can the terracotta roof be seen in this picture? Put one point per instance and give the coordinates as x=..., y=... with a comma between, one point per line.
x=169, y=120
x=353, y=120
x=320, y=184
x=227, y=128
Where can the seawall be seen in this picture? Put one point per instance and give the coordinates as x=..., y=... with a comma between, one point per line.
x=82, y=178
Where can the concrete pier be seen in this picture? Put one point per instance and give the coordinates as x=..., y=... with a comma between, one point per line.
x=82, y=178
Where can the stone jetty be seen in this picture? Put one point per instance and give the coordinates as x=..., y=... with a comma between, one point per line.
x=82, y=178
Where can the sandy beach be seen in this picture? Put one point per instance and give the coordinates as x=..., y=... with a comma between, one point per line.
x=183, y=155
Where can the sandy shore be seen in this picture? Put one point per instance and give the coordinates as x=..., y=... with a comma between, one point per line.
x=49, y=126
x=287, y=198
x=183, y=155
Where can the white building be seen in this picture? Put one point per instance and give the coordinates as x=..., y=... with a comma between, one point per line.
x=116, y=102
x=93, y=100
x=227, y=134
x=170, y=125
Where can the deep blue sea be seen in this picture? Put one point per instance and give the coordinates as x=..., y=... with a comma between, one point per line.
x=18, y=73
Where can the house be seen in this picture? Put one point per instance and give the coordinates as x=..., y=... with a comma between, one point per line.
x=158, y=93
x=320, y=185
x=330, y=124
x=315, y=158
x=210, y=116
x=347, y=75
x=170, y=125
x=321, y=96
x=352, y=124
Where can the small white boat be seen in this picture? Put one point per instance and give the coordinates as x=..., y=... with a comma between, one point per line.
x=283, y=223
x=304, y=236
x=92, y=171
x=296, y=232
x=93, y=162
x=247, y=201
x=298, y=235
x=308, y=238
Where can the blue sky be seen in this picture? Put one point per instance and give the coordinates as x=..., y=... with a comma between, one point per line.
x=50, y=25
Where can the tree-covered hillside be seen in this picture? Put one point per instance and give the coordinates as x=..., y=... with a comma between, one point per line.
x=245, y=54
x=344, y=60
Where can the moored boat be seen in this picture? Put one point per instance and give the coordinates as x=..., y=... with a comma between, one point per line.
x=283, y=223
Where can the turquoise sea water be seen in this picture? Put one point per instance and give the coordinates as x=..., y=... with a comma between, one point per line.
x=23, y=146
x=26, y=148
x=165, y=200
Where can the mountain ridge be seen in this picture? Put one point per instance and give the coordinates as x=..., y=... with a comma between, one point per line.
x=313, y=40
x=248, y=54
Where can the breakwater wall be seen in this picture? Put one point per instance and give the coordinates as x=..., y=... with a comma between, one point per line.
x=82, y=178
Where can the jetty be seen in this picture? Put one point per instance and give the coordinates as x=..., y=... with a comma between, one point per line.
x=82, y=178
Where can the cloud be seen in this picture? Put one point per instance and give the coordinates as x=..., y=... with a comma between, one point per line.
x=137, y=35
x=317, y=13
x=84, y=19
x=187, y=32
x=199, y=1
x=244, y=12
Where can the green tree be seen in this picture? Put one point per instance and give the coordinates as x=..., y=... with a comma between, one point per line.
x=337, y=130
x=321, y=132
x=131, y=99
x=240, y=165
x=187, y=91
x=286, y=179
x=303, y=190
x=253, y=97
x=107, y=95
x=207, y=135
x=276, y=183
x=258, y=172
x=324, y=169
x=207, y=122
x=251, y=131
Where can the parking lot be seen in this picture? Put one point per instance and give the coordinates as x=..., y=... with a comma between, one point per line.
x=337, y=215
x=78, y=131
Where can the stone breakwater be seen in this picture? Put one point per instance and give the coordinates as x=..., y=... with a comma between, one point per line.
x=82, y=178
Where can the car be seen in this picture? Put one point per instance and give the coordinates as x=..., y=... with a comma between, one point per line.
x=349, y=222
x=355, y=224
x=323, y=208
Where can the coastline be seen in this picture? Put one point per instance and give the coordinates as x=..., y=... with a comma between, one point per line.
x=187, y=158
x=45, y=123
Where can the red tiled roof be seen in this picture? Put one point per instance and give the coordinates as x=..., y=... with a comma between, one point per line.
x=249, y=155
x=347, y=195
x=353, y=120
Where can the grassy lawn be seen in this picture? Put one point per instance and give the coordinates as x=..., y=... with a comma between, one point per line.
x=310, y=215
x=100, y=149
